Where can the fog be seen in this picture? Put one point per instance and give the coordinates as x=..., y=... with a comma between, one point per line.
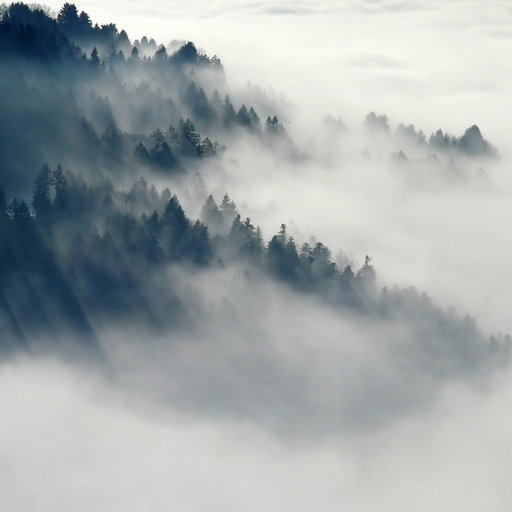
x=277, y=399
x=65, y=443
x=430, y=64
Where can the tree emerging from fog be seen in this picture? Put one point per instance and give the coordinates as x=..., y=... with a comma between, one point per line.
x=85, y=112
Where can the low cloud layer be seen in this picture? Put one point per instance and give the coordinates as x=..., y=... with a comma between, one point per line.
x=276, y=399
x=69, y=442
x=293, y=365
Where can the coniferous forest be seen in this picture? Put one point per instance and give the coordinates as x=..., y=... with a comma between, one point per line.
x=139, y=250
x=100, y=137
x=86, y=231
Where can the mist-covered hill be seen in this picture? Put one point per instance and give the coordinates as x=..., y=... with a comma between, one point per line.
x=259, y=262
x=108, y=225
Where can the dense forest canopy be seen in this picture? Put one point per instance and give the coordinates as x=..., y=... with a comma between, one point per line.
x=99, y=132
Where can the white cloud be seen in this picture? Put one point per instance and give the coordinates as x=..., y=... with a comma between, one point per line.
x=66, y=444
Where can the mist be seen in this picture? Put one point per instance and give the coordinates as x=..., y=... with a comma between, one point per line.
x=222, y=384
x=428, y=64
x=68, y=442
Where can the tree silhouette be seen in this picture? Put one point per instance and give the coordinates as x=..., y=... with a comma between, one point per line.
x=41, y=200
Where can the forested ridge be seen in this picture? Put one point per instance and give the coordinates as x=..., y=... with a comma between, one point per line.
x=92, y=125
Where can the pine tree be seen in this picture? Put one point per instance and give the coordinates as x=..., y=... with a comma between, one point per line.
x=227, y=209
x=173, y=136
x=94, y=60
x=153, y=228
x=141, y=153
x=274, y=127
x=255, y=121
x=282, y=236
x=211, y=214
x=366, y=277
x=19, y=212
x=41, y=200
x=199, y=249
x=61, y=201
x=190, y=140
x=175, y=228
x=243, y=118
x=216, y=103
x=68, y=19
x=259, y=244
x=161, y=154
x=228, y=113
x=236, y=234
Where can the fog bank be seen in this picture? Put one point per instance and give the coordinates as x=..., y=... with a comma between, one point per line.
x=71, y=442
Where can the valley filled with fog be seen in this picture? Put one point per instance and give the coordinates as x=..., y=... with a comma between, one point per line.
x=259, y=262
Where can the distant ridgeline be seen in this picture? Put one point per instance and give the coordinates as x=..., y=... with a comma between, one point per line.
x=81, y=254
x=87, y=255
x=85, y=96
x=470, y=144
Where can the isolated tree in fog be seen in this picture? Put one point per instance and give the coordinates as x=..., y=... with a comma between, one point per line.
x=187, y=54
x=157, y=136
x=198, y=103
x=334, y=124
x=162, y=156
x=216, y=102
x=190, y=140
x=322, y=266
x=281, y=257
x=199, y=250
x=228, y=113
x=173, y=136
x=274, y=127
x=95, y=60
x=19, y=212
x=175, y=227
x=243, y=118
x=472, y=143
x=259, y=243
x=236, y=233
x=68, y=16
x=227, y=208
x=208, y=147
x=123, y=42
x=255, y=121
x=346, y=279
x=292, y=258
x=440, y=142
x=141, y=153
x=160, y=54
x=61, y=201
x=211, y=214
x=150, y=237
x=85, y=22
x=376, y=123
x=366, y=276
x=41, y=200
x=134, y=55
x=283, y=235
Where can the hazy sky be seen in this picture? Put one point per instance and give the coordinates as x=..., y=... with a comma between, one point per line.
x=71, y=442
